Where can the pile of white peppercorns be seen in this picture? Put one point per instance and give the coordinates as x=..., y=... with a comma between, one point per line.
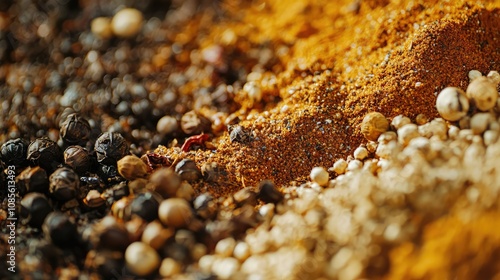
x=405, y=177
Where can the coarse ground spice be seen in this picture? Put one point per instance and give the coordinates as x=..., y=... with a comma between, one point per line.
x=391, y=57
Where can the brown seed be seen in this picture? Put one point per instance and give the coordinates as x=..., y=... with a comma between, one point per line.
x=155, y=235
x=109, y=233
x=64, y=184
x=175, y=212
x=93, y=199
x=194, y=123
x=188, y=170
x=32, y=179
x=132, y=167
x=165, y=182
x=238, y=134
x=78, y=158
x=373, y=125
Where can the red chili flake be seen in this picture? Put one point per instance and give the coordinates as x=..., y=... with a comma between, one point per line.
x=195, y=139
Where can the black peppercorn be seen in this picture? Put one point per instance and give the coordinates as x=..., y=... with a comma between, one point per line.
x=45, y=153
x=145, y=205
x=106, y=263
x=34, y=208
x=64, y=183
x=268, y=193
x=14, y=152
x=110, y=147
x=78, y=158
x=110, y=234
x=60, y=229
x=188, y=170
x=75, y=129
x=109, y=174
x=32, y=179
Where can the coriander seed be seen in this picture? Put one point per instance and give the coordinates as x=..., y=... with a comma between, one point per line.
x=175, y=212
x=141, y=259
x=132, y=167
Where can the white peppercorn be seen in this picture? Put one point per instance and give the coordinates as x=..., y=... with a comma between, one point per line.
x=101, y=27
x=319, y=175
x=167, y=125
x=373, y=125
x=340, y=166
x=241, y=251
x=360, y=153
x=400, y=120
x=354, y=165
x=170, y=267
x=141, y=259
x=407, y=132
x=175, y=212
x=494, y=77
x=479, y=122
x=490, y=137
x=474, y=74
x=452, y=104
x=127, y=22
x=483, y=92
x=225, y=247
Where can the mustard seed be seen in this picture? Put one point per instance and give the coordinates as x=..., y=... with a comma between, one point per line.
x=483, y=92
x=452, y=104
x=373, y=125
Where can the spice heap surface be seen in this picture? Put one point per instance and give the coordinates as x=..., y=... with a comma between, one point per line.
x=235, y=139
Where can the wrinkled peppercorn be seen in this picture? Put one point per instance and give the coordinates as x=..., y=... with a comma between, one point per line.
x=64, y=183
x=109, y=174
x=14, y=152
x=132, y=167
x=269, y=193
x=32, y=179
x=75, y=129
x=60, y=229
x=110, y=147
x=78, y=158
x=34, y=208
x=212, y=172
x=188, y=170
x=45, y=153
x=194, y=123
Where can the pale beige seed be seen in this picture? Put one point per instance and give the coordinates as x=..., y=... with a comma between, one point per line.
x=340, y=166
x=127, y=23
x=225, y=247
x=225, y=268
x=398, y=121
x=360, y=153
x=319, y=175
x=407, y=132
x=170, y=267
x=373, y=125
x=167, y=125
x=241, y=251
x=199, y=250
x=101, y=27
x=494, y=77
x=479, y=122
x=483, y=92
x=141, y=259
x=371, y=146
x=132, y=167
x=354, y=165
x=421, y=119
x=474, y=74
x=155, y=235
x=490, y=137
x=452, y=104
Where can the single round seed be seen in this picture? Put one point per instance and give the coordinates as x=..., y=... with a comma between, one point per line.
x=494, y=77
x=165, y=182
x=319, y=175
x=170, y=267
x=225, y=247
x=490, y=137
x=167, y=125
x=340, y=166
x=268, y=192
x=78, y=158
x=407, y=132
x=64, y=184
x=399, y=121
x=127, y=23
x=101, y=27
x=373, y=125
x=241, y=251
x=155, y=235
x=132, y=167
x=360, y=153
x=141, y=259
x=474, y=74
x=60, y=229
x=452, y=104
x=421, y=119
x=483, y=92
x=175, y=212
x=34, y=208
x=354, y=165
x=479, y=122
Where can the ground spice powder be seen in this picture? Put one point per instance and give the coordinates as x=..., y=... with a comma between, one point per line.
x=391, y=57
